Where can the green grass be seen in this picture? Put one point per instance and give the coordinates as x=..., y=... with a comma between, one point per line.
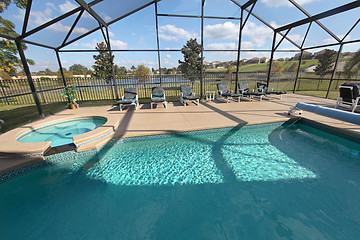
x=262, y=67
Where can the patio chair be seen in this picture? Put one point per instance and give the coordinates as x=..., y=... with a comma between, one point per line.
x=186, y=95
x=158, y=96
x=245, y=91
x=224, y=92
x=130, y=98
x=349, y=95
x=269, y=92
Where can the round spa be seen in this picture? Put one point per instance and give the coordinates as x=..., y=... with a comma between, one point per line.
x=61, y=133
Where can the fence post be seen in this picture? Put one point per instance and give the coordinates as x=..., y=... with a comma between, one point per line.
x=41, y=91
x=79, y=87
x=3, y=90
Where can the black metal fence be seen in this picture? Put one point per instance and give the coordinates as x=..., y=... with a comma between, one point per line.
x=49, y=90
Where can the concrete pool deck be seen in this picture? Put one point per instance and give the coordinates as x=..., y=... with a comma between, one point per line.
x=174, y=118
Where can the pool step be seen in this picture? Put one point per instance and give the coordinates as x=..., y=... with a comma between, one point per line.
x=59, y=149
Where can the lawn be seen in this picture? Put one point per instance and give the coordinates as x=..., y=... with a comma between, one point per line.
x=263, y=67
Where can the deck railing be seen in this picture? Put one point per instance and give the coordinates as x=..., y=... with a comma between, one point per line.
x=17, y=91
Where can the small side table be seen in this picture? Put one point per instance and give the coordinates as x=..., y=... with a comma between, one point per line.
x=210, y=95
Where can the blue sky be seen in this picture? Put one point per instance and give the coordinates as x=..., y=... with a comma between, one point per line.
x=138, y=31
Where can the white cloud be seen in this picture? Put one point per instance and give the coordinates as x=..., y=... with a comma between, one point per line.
x=50, y=5
x=66, y=7
x=333, y=40
x=173, y=33
x=278, y=3
x=117, y=44
x=227, y=30
x=20, y=15
x=258, y=34
x=247, y=44
x=167, y=56
x=221, y=46
x=295, y=37
x=90, y=45
x=41, y=17
x=106, y=17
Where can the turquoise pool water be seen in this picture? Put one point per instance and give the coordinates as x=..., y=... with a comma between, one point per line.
x=269, y=181
x=62, y=133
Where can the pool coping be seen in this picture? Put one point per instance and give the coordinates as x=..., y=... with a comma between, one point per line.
x=40, y=162
x=175, y=118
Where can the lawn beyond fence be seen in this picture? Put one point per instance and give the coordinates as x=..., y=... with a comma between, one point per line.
x=88, y=89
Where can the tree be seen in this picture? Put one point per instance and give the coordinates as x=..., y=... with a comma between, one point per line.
x=78, y=69
x=48, y=72
x=276, y=68
x=171, y=70
x=352, y=66
x=291, y=68
x=120, y=71
x=103, y=67
x=143, y=72
x=191, y=66
x=133, y=68
x=9, y=62
x=326, y=61
x=67, y=74
x=228, y=70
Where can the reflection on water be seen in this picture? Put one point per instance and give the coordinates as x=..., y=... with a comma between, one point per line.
x=191, y=159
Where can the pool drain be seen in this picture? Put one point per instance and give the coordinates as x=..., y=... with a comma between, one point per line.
x=67, y=134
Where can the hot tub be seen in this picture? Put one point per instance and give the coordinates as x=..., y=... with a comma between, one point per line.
x=62, y=133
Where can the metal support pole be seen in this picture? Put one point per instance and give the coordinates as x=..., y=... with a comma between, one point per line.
x=61, y=68
x=334, y=71
x=29, y=78
x=112, y=65
x=271, y=59
x=157, y=39
x=202, y=48
x=238, y=54
x=298, y=69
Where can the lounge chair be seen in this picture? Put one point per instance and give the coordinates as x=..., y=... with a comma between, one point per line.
x=130, y=98
x=245, y=91
x=269, y=92
x=349, y=95
x=224, y=92
x=186, y=95
x=158, y=96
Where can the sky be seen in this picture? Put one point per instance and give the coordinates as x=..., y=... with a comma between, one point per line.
x=138, y=31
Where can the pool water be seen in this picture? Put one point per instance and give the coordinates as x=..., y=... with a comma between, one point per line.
x=270, y=181
x=63, y=132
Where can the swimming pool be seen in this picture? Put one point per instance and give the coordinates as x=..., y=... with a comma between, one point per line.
x=62, y=133
x=270, y=181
